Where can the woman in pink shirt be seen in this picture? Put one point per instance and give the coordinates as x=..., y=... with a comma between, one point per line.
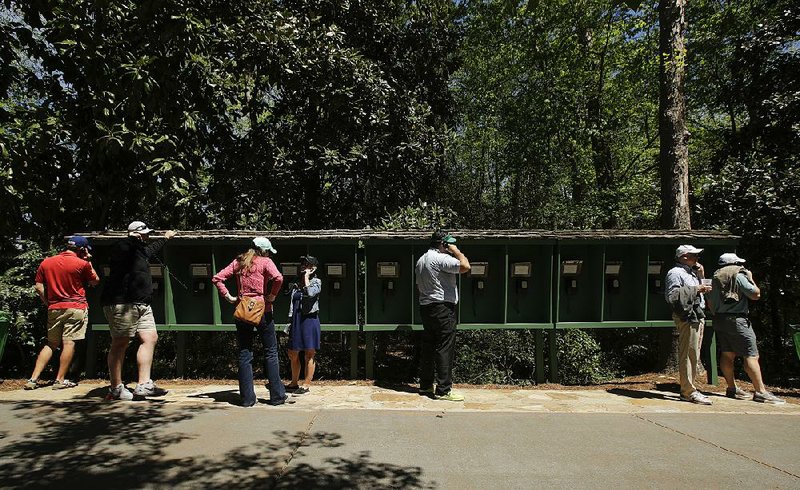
x=256, y=277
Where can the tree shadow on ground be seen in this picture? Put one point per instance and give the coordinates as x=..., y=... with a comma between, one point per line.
x=134, y=445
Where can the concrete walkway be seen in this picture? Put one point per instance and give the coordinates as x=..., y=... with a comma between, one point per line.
x=372, y=437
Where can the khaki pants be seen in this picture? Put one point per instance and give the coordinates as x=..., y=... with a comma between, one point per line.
x=690, y=335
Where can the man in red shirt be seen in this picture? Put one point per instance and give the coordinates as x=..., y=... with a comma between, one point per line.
x=60, y=283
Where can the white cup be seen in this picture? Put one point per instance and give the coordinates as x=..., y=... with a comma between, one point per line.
x=706, y=282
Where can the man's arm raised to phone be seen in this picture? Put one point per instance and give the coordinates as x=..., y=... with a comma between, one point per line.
x=462, y=259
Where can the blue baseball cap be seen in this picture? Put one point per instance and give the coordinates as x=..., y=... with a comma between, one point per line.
x=77, y=241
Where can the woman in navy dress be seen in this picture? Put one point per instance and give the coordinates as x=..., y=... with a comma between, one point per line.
x=304, y=329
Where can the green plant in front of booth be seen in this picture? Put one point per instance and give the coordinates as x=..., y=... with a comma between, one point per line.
x=18, y=297
x=581, y=360
x=495, y=357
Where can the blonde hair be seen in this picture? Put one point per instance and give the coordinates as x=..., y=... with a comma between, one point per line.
x=247, y=258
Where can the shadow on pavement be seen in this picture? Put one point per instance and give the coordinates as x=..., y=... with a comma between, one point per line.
x=231, y=397
x=670, y=387
x=640, y=394
x=399, y=387
x=86, y=442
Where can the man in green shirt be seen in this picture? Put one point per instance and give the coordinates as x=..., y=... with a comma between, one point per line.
x=732, y=289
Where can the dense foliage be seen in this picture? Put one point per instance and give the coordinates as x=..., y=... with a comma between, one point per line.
x=296, y=114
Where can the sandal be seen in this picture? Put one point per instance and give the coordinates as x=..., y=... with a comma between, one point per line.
x=301, y=390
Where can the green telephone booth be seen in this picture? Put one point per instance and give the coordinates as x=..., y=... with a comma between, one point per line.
x=482, y=290
x=579, y=273
x=390, y=288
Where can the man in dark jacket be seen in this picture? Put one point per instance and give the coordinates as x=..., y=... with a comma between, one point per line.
x=126, y=299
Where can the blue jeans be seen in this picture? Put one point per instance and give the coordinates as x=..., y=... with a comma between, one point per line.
x=244, y=335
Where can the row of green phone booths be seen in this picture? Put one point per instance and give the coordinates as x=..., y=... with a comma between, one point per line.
x=520, y=279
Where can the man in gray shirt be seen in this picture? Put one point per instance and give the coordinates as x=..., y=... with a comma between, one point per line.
x=436, y=276
x=733, y=288
x=684, y=293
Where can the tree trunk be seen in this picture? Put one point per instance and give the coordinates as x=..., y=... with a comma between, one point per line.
x=673, y=136
x=673, y=139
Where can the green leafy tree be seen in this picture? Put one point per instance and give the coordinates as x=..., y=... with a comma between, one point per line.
x=558, y=122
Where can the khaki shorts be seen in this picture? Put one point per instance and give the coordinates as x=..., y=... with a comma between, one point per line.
x=127, y=319
x=67, y=324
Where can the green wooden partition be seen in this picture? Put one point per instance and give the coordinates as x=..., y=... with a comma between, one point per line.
x=185, y=299
x=539, y=280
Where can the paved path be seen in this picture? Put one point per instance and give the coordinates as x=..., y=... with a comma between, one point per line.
x=371, y=437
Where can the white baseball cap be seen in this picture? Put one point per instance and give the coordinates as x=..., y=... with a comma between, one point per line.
x=264, y=244
x=138, y=227
x=730, y=258
x=686, y=249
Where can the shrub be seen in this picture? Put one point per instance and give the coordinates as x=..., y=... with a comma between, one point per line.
x=580, y=360
x=18, y=297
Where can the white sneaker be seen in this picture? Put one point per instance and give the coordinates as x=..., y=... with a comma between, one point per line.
x=120, y=392
x=698, y=398
x=149, y=389
x=767, y=397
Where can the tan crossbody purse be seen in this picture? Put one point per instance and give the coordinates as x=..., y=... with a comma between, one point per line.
x=248, y=310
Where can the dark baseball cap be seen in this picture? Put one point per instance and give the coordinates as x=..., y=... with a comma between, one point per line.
x=77, y=241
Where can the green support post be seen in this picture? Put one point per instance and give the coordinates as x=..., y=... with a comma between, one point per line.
x=647, y=287
x=91, y=352
x=353, y=355
x=553, y=341
x=169, y=303
x=5, y=326
x=215, y=305
x=180, y=362
x=556, y=305
x=711, y=372
x=603, y=285
x=370, y=355
x=354, y=335
x=539, y=347
x=505, y=287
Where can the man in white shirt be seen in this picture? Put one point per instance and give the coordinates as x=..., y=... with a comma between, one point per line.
x=437, y=281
